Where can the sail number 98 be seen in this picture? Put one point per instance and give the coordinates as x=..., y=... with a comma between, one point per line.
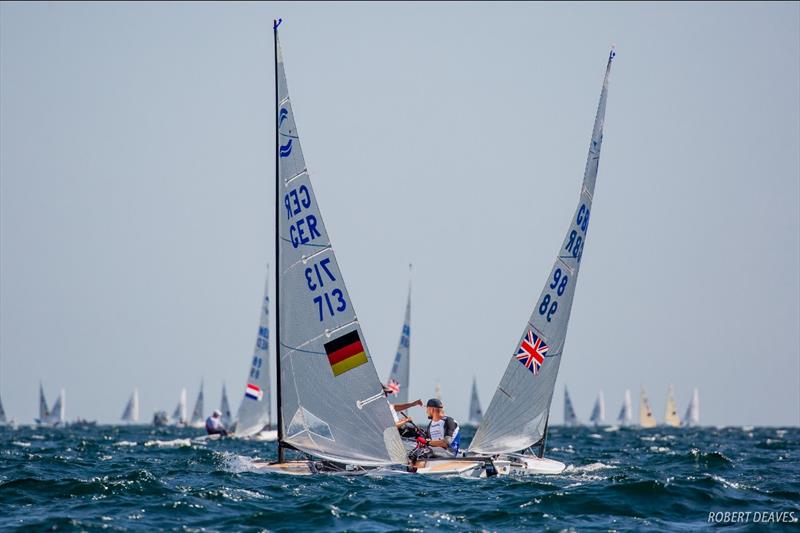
x=549, y=305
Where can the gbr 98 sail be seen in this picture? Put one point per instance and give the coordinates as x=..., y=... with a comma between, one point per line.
x=517, y=415
x=331, y=398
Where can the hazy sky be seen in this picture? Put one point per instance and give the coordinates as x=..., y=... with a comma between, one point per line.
x=137, y=179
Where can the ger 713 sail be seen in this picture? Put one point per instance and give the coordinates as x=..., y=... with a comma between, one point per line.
x=331, y=405
x=517, y=417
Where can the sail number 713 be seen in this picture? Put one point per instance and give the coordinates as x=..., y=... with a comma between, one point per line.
x=328, y=302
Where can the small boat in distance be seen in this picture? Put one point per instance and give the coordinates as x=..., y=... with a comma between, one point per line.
x=44, y=411
x=197, y=420
x=671, y=412
x=625, y=416
x=646, y=418
x=570, y=418
x=692, y=416
x=131, y=413
x=180, y=413
x=475, y=412
x=598, y=415
x=225, y=408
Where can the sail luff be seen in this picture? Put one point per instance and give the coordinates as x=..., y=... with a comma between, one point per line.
x=332, y=404
x=518, y=412
x=280, y=421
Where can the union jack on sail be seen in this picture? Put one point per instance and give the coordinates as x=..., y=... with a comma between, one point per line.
x=531, y=352
x=393, y=386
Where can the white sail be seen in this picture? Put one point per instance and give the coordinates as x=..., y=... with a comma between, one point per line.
x=671, y=417
x=399, y=376
x=197, y=419
x=57, y=414
x=225, y=408
x=44, y=412
x=2, y=413
x=331, y=399
x=255, y=410
x=570, y=418
x=626, y=411
x=646, y=418
x=692, y=417
x=179, y=415
x=518, y=413
x=599, y=410
x=475, y=412
x=131, y=413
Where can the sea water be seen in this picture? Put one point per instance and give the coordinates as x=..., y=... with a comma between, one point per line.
x=145, y=478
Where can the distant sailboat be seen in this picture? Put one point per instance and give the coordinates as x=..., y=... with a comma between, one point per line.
x=646, y=418
x=255, y=410
x=179, y=415
x=518, y=415
x=44, y=412
x=225, y=408
x=331, y=404
x=570, y=419
x=599, y=410
x=131, y=413
x=399, y=376
x=3, y=420
x=671, y=412
x=692, y=416
x=626, y=411
x=57, y=415
x=475, y=412
x=197, y=420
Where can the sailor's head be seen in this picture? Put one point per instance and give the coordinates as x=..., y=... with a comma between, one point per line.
x=216, y=413
x=434, y=407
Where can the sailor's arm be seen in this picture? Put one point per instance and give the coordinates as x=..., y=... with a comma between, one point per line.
x=403, y=406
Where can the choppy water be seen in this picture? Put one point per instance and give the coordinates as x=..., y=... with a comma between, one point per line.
x=144, y=478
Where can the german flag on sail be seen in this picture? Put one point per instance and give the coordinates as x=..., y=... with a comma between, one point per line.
x=345, y=353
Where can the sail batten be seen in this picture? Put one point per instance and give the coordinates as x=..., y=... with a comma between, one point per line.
x=517, y=415
x=326, y=370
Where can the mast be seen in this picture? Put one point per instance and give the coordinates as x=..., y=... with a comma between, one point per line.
x=275, y=24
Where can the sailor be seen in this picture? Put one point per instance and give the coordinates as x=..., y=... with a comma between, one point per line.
x=214, y=425
x=442, y=435
x=402, y=424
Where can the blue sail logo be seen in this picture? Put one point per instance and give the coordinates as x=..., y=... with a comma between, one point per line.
x=286, y=149
x=283, y=114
